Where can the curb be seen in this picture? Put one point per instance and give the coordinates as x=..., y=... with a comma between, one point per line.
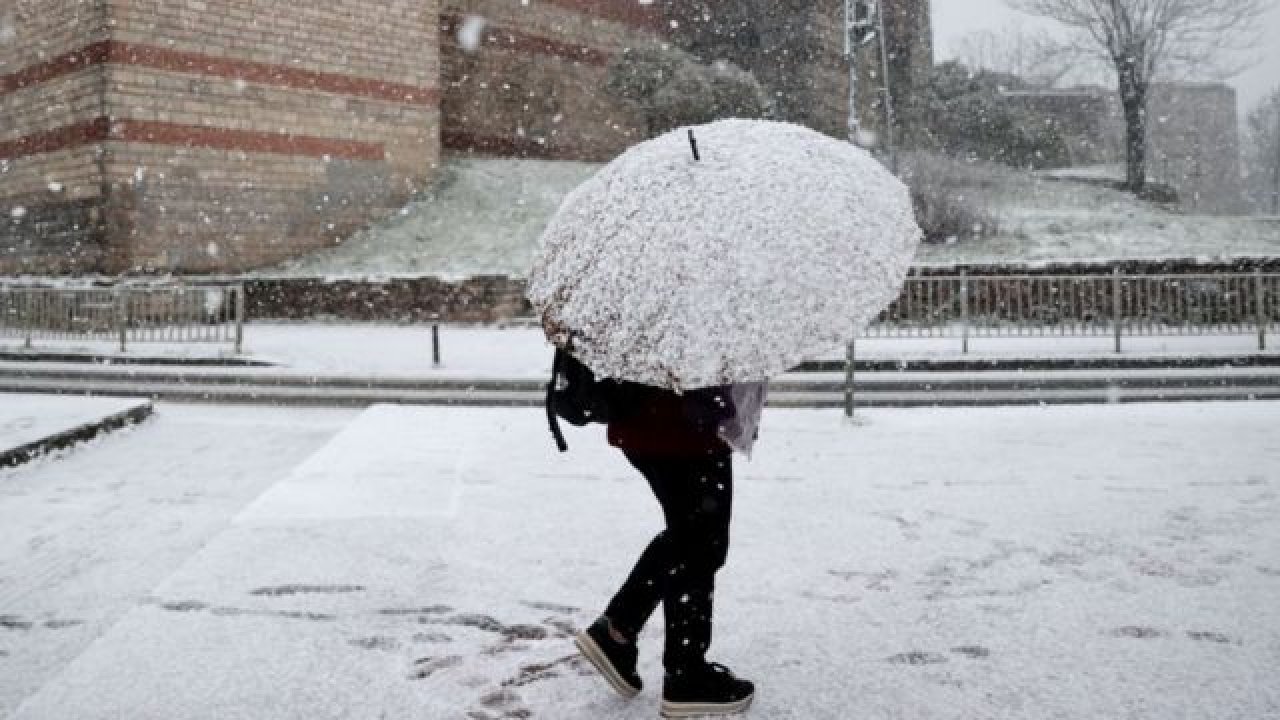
x=959, y=364
x=30, y=451
x=108, y=360
x=1106, y=362
x=869, y=392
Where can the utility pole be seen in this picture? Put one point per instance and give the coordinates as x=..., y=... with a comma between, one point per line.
x=889, y=120
x=859, y=30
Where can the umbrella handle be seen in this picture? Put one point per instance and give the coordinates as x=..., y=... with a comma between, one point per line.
x=693, y=143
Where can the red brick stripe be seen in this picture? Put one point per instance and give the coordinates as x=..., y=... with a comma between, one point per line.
x=175, y=135
x=85, y=133
x=625, y=12
x=50, y=69
x=497, y=36
x=117, y=53
x=160, y=133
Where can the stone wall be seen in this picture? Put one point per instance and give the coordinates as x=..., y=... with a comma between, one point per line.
x=259, y=130
x=230, y=134
x=1193, y=144
x=51, y=194
x=527, y=79
x=213, y=136
x=492, y=299
x=1193, y=137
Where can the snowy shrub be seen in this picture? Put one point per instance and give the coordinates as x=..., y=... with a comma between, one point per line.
x=671, y=88
x=965, y=114
x=946, y=196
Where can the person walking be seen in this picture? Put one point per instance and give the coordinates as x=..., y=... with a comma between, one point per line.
x=682, y=444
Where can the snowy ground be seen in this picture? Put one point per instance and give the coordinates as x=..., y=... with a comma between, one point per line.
x=26, y=419
x=486, y=214
x=1068, y=562
x=522, y=351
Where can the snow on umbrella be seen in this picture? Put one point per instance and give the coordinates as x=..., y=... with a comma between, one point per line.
x=775, y=244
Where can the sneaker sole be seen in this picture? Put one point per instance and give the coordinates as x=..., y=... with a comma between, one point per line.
x=692, y=710
x=592, y=652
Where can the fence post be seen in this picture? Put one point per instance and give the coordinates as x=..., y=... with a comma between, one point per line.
x=964, y=312
x=122, y=314
x=28, y=316
x=848, y=379
x=238, y=290
x=435, y=344
x=1259, y=292
x=1116, y=306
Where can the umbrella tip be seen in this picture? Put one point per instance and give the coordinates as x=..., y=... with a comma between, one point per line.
x=693, y=143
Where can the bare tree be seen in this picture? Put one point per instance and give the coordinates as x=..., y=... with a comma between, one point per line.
x=1264, y=150
x=1143, y=40
x=1033, y=55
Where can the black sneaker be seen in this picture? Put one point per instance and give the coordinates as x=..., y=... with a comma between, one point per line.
x=708, y=690
x=616, y=661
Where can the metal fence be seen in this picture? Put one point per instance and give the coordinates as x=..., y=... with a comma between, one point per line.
x=930, y=306
x=960, y=306
x=125, y=314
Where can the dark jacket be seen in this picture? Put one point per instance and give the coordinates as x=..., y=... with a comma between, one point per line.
x=654, y=421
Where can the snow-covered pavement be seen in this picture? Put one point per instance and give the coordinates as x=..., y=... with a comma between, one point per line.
x=522, y=352
x=30, y=424
x=1066, y=562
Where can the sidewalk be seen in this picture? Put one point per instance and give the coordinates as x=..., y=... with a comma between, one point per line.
x=429, y=563
x=521, y=352
x=358, y=365
x=33, y=425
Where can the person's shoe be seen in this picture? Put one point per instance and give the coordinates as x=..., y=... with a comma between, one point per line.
x=616, y=661
x=708, y=690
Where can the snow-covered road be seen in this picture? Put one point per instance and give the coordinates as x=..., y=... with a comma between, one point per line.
x=1066, y=562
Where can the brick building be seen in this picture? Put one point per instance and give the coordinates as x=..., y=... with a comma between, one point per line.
x=224, y=135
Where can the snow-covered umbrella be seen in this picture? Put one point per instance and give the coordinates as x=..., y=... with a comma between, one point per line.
x=687, y=264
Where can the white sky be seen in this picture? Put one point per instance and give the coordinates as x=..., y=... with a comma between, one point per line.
x=953, y=19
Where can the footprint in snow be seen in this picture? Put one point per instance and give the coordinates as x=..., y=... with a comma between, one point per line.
x=916, y=657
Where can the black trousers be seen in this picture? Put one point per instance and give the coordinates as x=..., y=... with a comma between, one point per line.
x=679, y=566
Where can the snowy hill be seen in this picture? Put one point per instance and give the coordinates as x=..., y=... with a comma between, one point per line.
x=484, y=217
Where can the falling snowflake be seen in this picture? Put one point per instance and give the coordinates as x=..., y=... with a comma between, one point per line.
x=471, y=33
x=7, y=30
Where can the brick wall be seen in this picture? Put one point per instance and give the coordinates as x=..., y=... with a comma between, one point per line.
x=258, y=130
x=220, y=135
x=533, y=84
x=51, y=195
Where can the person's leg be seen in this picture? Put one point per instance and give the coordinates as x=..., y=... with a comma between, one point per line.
x=700, y=506
x=640, y=593
x=610, y=641
x=678, y=567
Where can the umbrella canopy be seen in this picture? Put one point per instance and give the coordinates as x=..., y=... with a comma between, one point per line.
x=776, y=244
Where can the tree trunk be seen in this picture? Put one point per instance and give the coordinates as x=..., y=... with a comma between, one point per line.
x=1275, y=166
x=1275, y=186
x=1133, y=97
